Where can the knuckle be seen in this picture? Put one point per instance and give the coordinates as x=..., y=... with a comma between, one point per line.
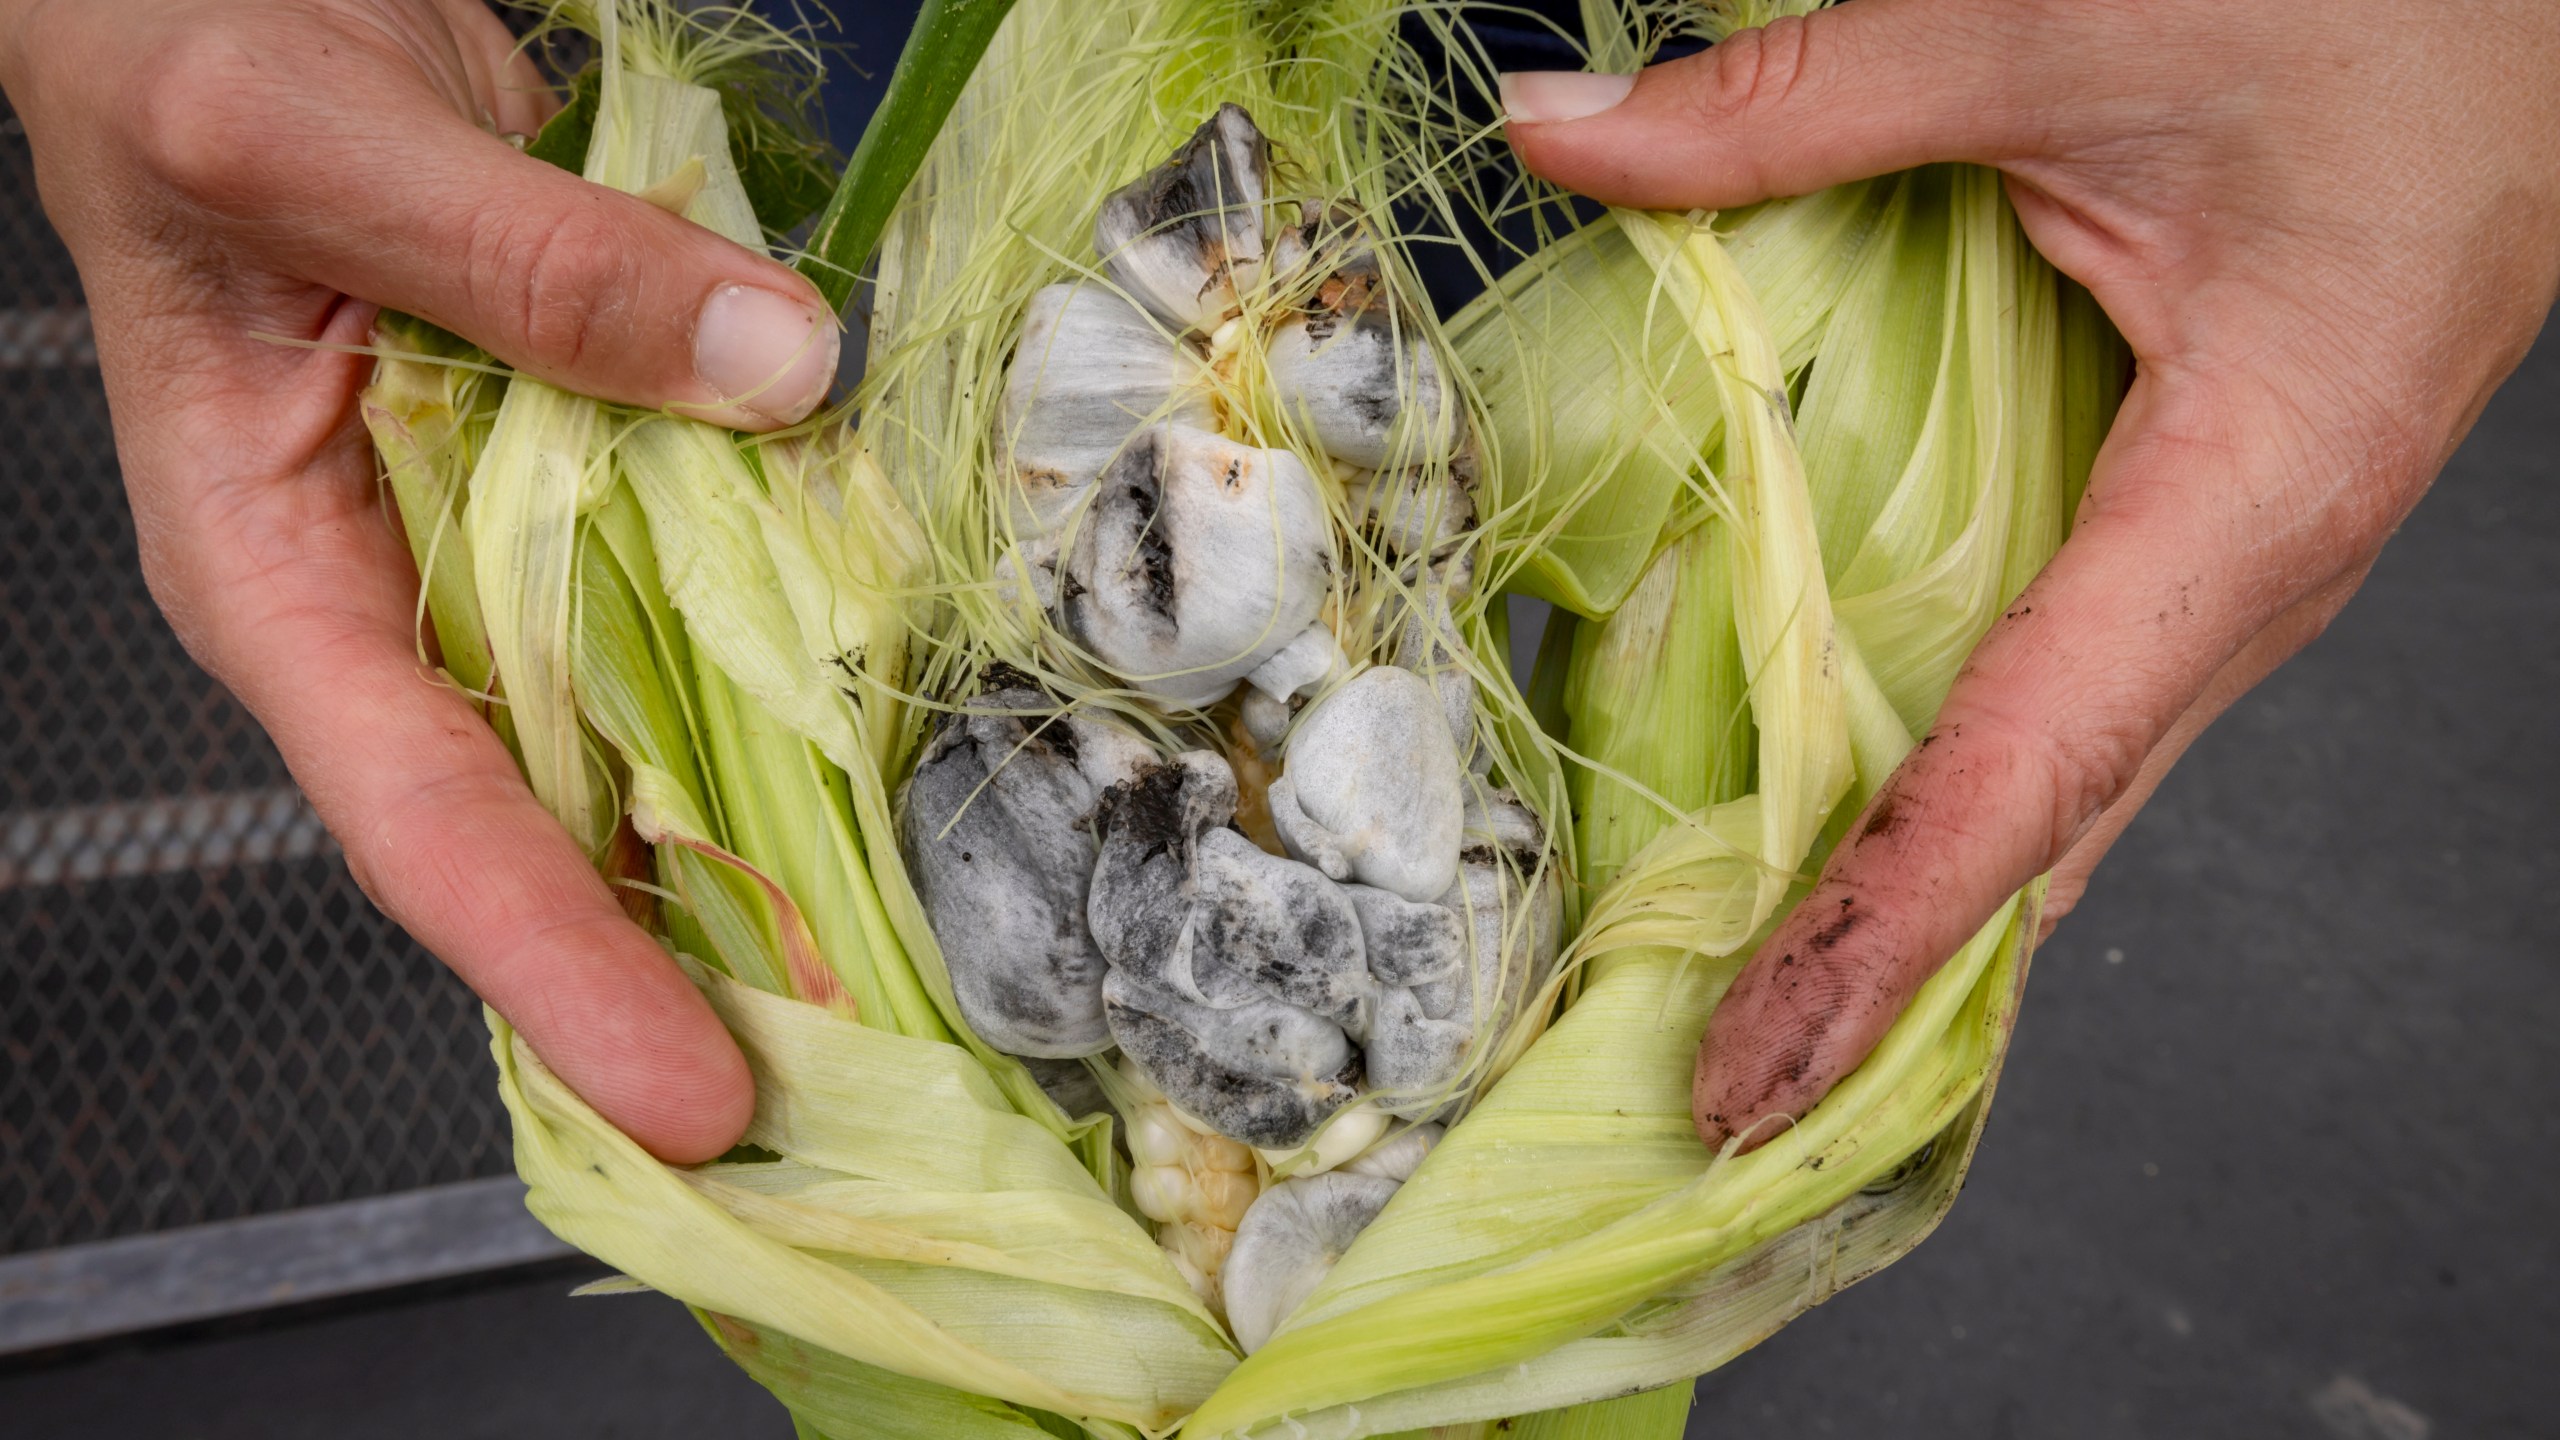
x=194, y=121
x=2035, y=782
x=1754, y=72
x=547, y=281
x=2083, y=766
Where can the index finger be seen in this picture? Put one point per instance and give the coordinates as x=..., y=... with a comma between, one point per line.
x=2169, y=574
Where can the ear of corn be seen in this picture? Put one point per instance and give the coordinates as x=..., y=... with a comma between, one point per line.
x=1781, y=467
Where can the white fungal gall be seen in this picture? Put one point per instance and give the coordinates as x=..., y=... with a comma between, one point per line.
x=1090, y=371
x=1366, y=386
x=1289, y=1241
x=1497, y=821
x=1234, y=974
x=1186, y=237
x=1513, y=905
x=996, y=828
x=1305, y=663
x=1408, y=942
x=1138, y=907
x=1428, y=643
x=1414, y=1053
x=1417, y=1055
x=1279, y=925
x=1270, y=697
x=1351, y=365
x=1501, y=921
x=1266, y=720
x=1264, y=1072
x=1373, y=789
x=1411, y=512
x=1198, y=560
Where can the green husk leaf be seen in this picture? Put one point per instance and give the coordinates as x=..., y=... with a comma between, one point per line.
x=1656, y=702
x=1472, y=1295
x=829, y=1395
x=1561, y=344
x=426, y=419
x=1782, y=611
x=1112, y=1332
x=564, y=137
x=1660, y=1414
x=940, y=53
x=521, y=527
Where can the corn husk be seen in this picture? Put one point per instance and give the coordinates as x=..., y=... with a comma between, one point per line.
x=1782, y=466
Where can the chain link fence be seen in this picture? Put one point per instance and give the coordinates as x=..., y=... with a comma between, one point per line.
x=201, y=1018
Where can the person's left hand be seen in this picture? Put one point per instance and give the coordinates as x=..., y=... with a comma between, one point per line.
x=2327, y=237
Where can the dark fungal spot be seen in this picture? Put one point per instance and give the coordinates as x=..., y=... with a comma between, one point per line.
x=1147, y=811
x=1247, y=1103
x=992, y=825
x=1057, y=735
x=1000, y=676
x=1154, y=553
x=1376, y=403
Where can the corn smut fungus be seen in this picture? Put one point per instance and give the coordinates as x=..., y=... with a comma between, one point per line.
x=1189, y=987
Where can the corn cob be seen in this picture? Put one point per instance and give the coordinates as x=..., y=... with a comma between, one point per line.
x=1121, y=686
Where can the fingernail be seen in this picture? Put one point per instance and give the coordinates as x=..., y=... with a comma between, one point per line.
x=1544, y=96
x=763, y=353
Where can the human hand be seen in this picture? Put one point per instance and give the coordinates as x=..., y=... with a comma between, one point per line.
x=2327, y=235
x=221, y=168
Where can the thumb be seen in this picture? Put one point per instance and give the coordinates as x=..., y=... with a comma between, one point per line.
x=580, y=285
x=1802, y=103
x=2173, y=569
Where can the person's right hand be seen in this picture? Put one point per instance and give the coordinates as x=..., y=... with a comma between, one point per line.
x=226, y=167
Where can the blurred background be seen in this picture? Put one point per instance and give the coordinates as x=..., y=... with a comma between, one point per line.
x=2267, y=1160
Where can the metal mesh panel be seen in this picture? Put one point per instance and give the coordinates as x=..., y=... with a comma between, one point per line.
x=200, y=1015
